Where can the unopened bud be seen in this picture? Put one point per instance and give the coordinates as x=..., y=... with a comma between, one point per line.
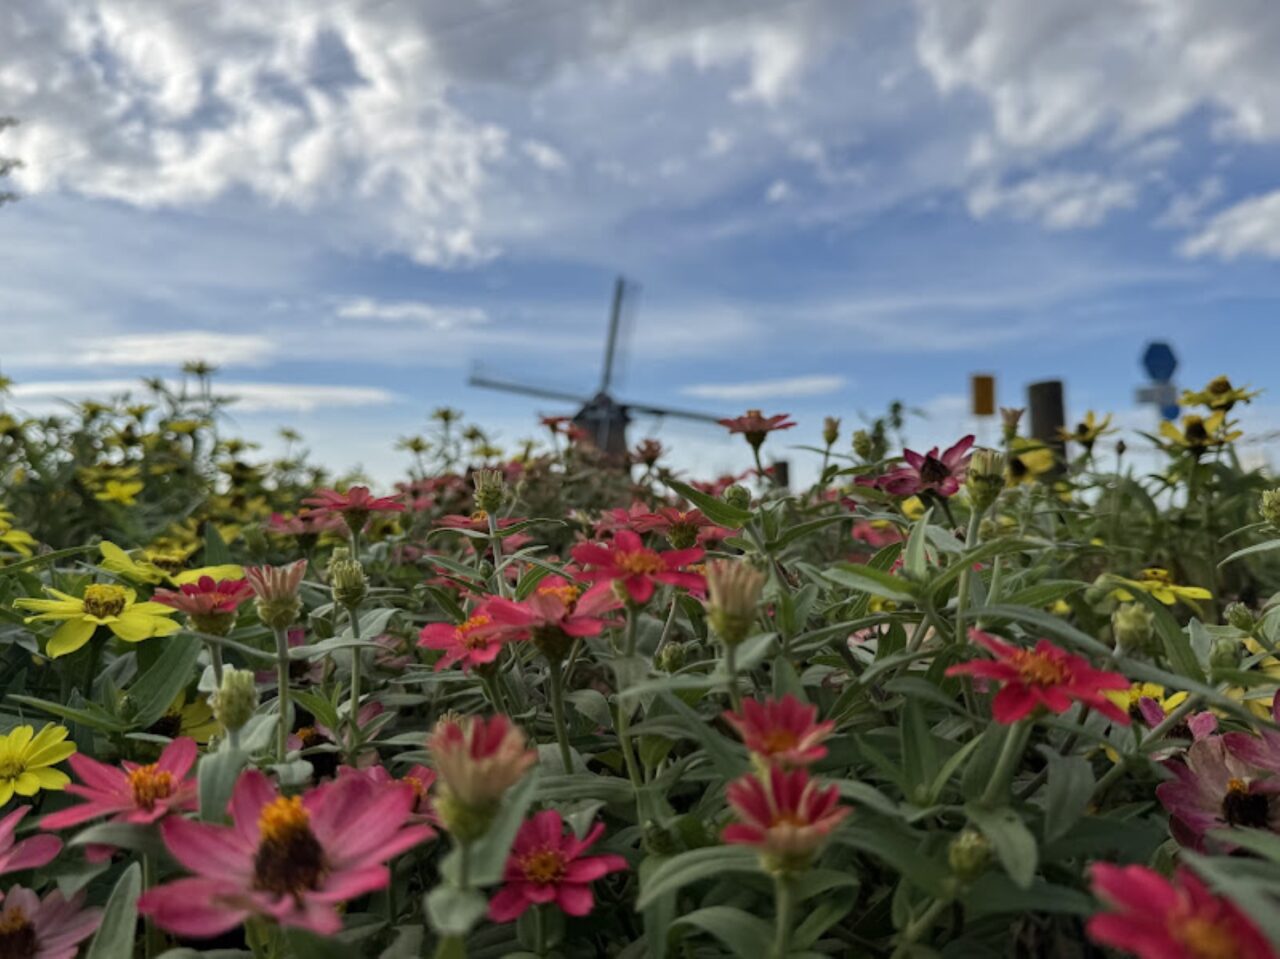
x=236, y=700
x=671, y=658
x=490, y=487
x=1009, y=419
x=969, y=855
x=659, y=841
x=1241, y=617
x=738, y=496
x=864, y=445
x=733, y=593
x=1133, y=625
x=346, y=578
x=985, y=478
x=1269, y=506
x=477, y=761
x=277, y=590
x=1225, y=653
x=830, y=430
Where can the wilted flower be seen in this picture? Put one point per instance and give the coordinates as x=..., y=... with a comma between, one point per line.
x=830, y=430
x=477, y=760
x=785, y=815
x=783, y=731
x=1010, y=417
x=733, y=594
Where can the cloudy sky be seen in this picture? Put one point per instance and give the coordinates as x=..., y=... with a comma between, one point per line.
x=827, y=203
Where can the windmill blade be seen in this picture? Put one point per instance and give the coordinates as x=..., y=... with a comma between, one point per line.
x=623, y=293
x=508, y=387
x=664, y=411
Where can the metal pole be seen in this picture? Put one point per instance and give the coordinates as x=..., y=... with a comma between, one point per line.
x=1048, y=415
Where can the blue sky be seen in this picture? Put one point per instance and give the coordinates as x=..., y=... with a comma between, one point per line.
x=828, y=204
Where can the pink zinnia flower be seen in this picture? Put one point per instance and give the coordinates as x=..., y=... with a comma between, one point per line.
x=479, y=759
x=628, y=561
x=682, y=528
x=1046, y=676
x=305, y=522
x=784, y=814
x=546, y=865
x=48, y=928
x=474, y=642
x=557, y=603
x=419, y=778
x=356, y=505
x=781, y=731
x=1153, y=918
x=1214, y=789
x=477, y=522
x=929, y=472
x=210, y=605
x=755, y=426
x=31, y=853
x=130, y=793
x=1261, y=751
x=293, y=859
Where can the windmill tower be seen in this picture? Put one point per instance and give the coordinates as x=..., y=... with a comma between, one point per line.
x=603, y=417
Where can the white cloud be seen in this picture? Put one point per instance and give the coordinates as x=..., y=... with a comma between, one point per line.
x=779, y=191
x=250, y=397
x=544, y=156
x=812, y=385
x=172, y=349
x=1185, y=209
x=1060, y=201
x=412, y=311
x=1250, y=226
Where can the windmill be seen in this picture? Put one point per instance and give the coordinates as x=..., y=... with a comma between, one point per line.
x=603, y=418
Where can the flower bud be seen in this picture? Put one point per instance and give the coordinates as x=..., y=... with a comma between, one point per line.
x=984, y=480
x=1133, y=625
x=477, y=760
x=1009, y=419
x=830, y=430
x=490, y=487
x=1225, y=653
x=346, y=578
x=659, y=841
x=1269, y=506
x=236, y=700
x=738, y=496
x=1240, y=616
x=969, y=855
x=277, y=590
x=671, y=658
x=733, y=593
x=864, y=446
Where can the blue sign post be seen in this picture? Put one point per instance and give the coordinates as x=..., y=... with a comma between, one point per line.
x=1160, y=363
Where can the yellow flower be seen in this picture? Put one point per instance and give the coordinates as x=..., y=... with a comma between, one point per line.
x=19, y=541
x=1128, y=699
x=194, y=719
x=912, y=507
x=114, y=491
x=158, y=566
x=1028, y=460
x=1199, y=434
x=1088, y=430
x=26, y=757
x=1159, y=584
x=1219, y=394
x=103, y=604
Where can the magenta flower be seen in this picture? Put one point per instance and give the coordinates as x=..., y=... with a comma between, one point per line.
x=31, y=853
x=474, y=642
x=639, y=569
x=929, y=472
x=210, y=605
x=48, y=928
x=1213, y=789
x=292, y=859
x=783, y=731
x=1261, y=751
x=545, y=865
x=355, y=506
x=419, y=778
x=130, y=793
x=557, y=603
x=785, y=815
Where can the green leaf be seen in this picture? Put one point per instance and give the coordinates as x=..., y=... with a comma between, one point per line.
x=914, y=561
x=745, y=934
x=122, y=835
x=1012, y=841
x=1177, y=645
x=900, y=848
x=303, y=943
x=1251, y=550
x=93, y=715
x=716, y=510
x=154, y=691
x=694, y=865
x=489, y=855
x=996, y=894
x=1070, y=788
x=216, y=777
x=611, y=789
x=454, y=911
x=114, y=938
x=216, y=552
x=728, y=760
x=322, y=709
x=871, y=581
x=919, y=751
x=44, y=559
x=406, y=945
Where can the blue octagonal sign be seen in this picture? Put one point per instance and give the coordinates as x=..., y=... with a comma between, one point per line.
x=1159, y=362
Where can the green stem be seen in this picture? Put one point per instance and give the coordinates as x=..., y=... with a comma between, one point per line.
x=540, y=931
x=556, y=676
x=152, y=941
x=91, y=667
x=495, y=544
x=357, y=662
x=784, y=904
x=464, y=864
x=1015, y=742
x=633, y=621
x=972, y=538
x=919, y=927
x=282, y=693
x=731, y=667
x=666, y=628
x=628, y=751
x=215, y=657
x=1160, y=730
x=491, y=688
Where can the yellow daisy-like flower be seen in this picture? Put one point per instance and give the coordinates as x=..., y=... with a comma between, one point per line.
x=1199, y=433
x=182, y=718
x=1088, y=430
x=1128, y=699
x=27, y=758
x=116, y=491
x=18, y=540
x=1160, y=584
x=1218, y=394
x=1027, y=461
x=103, y=604
x=159, y=566
x=912, y=507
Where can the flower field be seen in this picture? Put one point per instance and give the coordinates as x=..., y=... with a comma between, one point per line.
x=957, y=702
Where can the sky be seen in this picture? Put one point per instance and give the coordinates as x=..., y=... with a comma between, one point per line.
x=347, y=205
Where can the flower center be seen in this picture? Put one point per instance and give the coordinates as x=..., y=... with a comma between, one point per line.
x=1205, y=939
x=641, y=562
x=1039, y=670
x=290, y=860
x=778, y=741
x=933, y=470
x=1196, y=434
x=103, y=600
x=543, y=866
x=18, y=938
x=1243, y=808
x=465, y=631
x=1220, y=385
x=567, y=594
x=1017, y=468
x=149, y=784
x=480, y=516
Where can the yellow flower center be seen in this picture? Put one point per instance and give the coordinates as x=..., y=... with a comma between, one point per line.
x=290, y=859
x=567, y=594
x=466, y=629
x=1205, y=939
x=12, y=768
x=641, y=562
x=543, y=866
x=778, y=741
x=102, y=600
x=480, y=516
x=149, y=784
x=1038, y=670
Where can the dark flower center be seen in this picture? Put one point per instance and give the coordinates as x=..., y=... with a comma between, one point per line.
x=290, y=860
x=933, y=470
x=103, y=600
x=170, y=725
x=18, y=938
x=1243, y=808
x=1017, y=468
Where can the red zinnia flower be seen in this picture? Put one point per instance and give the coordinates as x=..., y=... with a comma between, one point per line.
x=474, y=642
x=628, y=561
x=1154, y=918
x=1045, y=676
x=941, y=474
x=293, y=859
x=781, y=730
x=682, y=528
x=755, y=426
x=210, y=605
x=355, y=505
x=786, y=815
x=131, y=793
x=545, y=866
x=557, y=603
